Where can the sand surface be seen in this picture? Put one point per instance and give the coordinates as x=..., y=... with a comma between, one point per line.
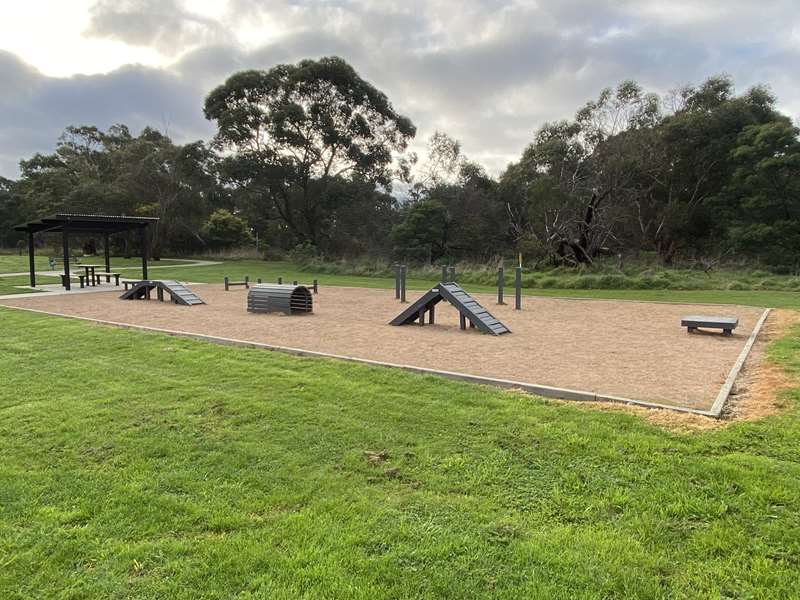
x=636, y=350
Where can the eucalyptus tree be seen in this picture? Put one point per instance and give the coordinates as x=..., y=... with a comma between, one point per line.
x=292, y=131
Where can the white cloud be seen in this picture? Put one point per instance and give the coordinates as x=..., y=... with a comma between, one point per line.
x=488, y=72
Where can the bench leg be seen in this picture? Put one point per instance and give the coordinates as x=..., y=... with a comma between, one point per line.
x=116, y=280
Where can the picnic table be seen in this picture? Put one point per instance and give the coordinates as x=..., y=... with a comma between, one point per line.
x=91, y=268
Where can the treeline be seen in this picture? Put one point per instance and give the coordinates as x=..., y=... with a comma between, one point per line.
x=311, y=159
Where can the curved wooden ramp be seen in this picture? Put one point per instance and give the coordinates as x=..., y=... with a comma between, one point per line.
x=469, y=309
x=178, y=293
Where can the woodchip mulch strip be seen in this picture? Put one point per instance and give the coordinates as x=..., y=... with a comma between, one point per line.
x=636, y=350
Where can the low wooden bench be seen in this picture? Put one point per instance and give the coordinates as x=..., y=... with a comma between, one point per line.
x=108, y=275
x=229, y=284
x=726, y=324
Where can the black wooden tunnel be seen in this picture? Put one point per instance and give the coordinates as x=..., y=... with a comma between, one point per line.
x=288, y=299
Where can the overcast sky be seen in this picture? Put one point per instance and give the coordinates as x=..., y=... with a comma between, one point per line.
x=488, y=72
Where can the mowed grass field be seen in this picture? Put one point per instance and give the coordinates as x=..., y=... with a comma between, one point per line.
x=138, y=465
x=270, y=271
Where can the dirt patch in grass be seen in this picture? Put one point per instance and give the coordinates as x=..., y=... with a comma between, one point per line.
x=635, y=350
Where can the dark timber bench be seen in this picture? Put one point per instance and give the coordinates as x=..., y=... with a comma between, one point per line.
x=727, y=324
x=108, y=275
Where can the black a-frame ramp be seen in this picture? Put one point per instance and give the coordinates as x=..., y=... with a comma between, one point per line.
x=466, y=305
x=178, y=292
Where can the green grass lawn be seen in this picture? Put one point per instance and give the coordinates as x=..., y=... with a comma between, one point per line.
x=14, y=263
x=270, y=271
x=167, y=468
x=9, y=285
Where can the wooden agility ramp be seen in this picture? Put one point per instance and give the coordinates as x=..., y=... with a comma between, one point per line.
x=469, y=310
x=178, y=293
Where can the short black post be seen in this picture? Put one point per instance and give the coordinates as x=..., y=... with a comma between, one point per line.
x=247, y=282
x=501, y=281
x=294, y=282
x=280, y=280
x=444, y=273
x=226, y=283
x=518, y=290
x=403, y=271
x=396, y=281
x=452, y=273
x=315, y=287
x=258, y=280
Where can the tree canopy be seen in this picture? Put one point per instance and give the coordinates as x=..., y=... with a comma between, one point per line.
x=311, y=155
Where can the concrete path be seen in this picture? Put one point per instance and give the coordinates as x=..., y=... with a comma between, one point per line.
x=189, y=263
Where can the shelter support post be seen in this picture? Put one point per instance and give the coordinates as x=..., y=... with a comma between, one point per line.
x=143, y=242
x=65, y=242
x=31, y=259
x=106, y=253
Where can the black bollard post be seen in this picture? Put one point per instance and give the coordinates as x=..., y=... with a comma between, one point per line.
x=280, y=280
x=501, y=281
x=397, y=281
x=403, y=271
x=452, y=274
x=226, y=283
x=315, y=287
x=258, y=280
x=247, y=282
x=444, y=274
x=518, y=284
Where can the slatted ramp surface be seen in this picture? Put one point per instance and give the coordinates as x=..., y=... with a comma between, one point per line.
x=453, y=293
x=179, y=293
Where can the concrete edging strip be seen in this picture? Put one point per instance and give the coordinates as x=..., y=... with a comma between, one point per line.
x=532, y=388
x=725, y=392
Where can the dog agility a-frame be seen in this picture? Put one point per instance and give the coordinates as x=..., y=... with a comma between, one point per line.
x=467, y=306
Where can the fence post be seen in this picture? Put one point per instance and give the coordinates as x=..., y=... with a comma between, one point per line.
x=280, y=280
x=444, y=273
x=403, y=272
x=501, y=281
x=226, y=283
x=315, y=286
x=246, y=282
x=258, y=280
x=518, y=291
x=452, y=274
x=397, y=281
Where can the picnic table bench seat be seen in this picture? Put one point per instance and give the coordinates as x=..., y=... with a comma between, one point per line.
x=726, y=324
x=108, y=275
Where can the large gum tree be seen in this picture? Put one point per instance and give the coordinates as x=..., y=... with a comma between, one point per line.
x=291, y=132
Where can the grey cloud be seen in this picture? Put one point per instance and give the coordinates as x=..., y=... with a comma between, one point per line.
x=487, y=72
x=163, y=24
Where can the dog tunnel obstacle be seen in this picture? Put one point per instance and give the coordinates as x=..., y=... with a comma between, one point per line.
x=272, y=297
